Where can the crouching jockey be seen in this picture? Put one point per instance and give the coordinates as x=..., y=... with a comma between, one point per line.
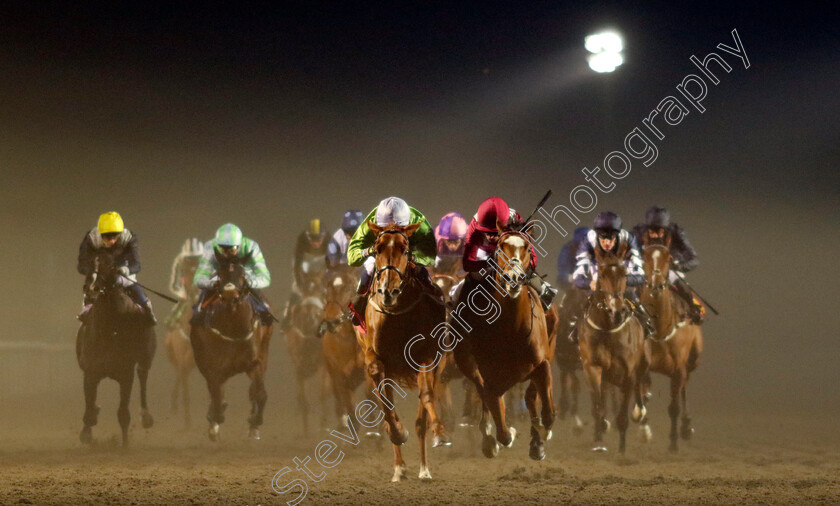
x=658, y=229
x=308, y=268
x=449, y=238
x=421, y=250
x=608, y=235
x=229, y=245
x=181, y=280
x=482, y=240
x=110, y=234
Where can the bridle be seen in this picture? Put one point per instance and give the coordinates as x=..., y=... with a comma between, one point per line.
x=403, y=277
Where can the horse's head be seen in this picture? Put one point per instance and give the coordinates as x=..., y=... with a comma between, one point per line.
x=612, y=280
x=313, y=269
x=513, y=256
x=657, y=260
x=392, y=260
x=233, y=285
x=307, y=315
x=340, y=286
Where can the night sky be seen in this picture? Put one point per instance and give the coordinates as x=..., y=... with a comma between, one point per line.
x=183, y=118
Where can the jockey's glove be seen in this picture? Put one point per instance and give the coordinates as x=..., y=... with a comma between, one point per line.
x=123, y=270
x=370, y=252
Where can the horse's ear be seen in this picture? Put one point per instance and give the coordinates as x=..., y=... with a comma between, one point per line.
x=623, y=250
x=500, y=225
x=668, y=241
x=410, y=229
x=376, y=229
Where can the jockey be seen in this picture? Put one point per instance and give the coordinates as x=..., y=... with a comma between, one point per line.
x=481, y=245
x=659, y=228
x=449, y=237
x=179, y=285
x=310, y=252
x=337, y=247
x=225, y=246
x=567, y=259
x=110, y=234
x=421, y=249
x=608, y=234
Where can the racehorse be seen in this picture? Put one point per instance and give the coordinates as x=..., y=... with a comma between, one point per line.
x=510, y=346
x=113, y=339
x=612, y=348
x=675, y=349
x=230, y=340
x=398, y=310
x=177, y=340
x=342, y=354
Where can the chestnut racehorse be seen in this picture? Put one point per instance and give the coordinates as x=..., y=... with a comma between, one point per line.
x=398, y=310
x=113, y=339
x=675, y=349
x=507, y=342
x=342, y=354
x=612, y=347
x=232, y=340
x=177, y=340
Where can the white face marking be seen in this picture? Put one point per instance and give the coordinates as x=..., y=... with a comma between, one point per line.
x=337, y=282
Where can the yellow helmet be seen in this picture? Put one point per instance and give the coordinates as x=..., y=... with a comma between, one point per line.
x=314, y=227
x=110, y=223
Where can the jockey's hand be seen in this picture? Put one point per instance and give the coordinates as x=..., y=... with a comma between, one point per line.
x=123, y=271
x=370, y=252
x=593, y=285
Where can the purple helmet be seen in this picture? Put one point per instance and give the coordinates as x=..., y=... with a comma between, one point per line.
x=451, y=227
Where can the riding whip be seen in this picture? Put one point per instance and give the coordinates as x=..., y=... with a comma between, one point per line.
x=704, y=301
x=167, y=297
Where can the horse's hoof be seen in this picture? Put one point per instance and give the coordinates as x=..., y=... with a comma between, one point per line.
x=599, y=449
x=686, y=432
x=147, y=420
x=86, y=436
x=400, y=438
x=607, y=426
x=646, y=433
x=441, y=440
x=465, y=421
x=373, y=434
x=577, y=428
x=424, y=474
x=537, y=451
x=254, y=434
x=489, y=447
x=214, y=432
x=512, y=431
x=399, y=474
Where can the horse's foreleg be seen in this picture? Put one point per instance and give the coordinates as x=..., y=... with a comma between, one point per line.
x=593, y=376
x=686, y=430
x=183, y=378
x=215, y=412
x=376, y=371
x=258, y=397
x=677, y=383
x=574, y=393
x=420, y=427
x=496, y=405
x=399, y=465
x=622, y=419
x=426, y=385
x=146, y=417
x=91, y=383
x=123, y=413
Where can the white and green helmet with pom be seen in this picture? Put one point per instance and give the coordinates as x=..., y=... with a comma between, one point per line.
x=228, y=235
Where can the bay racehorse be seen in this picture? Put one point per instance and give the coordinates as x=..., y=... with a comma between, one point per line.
x=342, y=354
x=177, y=340
x=229, y=340
x=676, y=347
x=112, y=341
x=612, y=347
x=399, y=309
x=506, y=342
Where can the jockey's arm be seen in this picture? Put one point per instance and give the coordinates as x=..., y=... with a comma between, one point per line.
x=85, y=262
x=362, y=239
x=422, y=242
x=584, y=266
x=133, y=255
x=256, y=269
x=206, y=270
x=682, y=250
x=635, y=266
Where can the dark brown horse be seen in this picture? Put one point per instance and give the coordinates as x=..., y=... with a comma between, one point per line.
x=507, y=342
x=342, y=353
x=177, y=341
x=398, y=310
x=231, y=340
x=568, y=360
x=675, y=349
x=112, y=341
x=304, y=350
x=612, y=347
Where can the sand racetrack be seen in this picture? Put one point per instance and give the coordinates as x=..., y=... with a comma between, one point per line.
x=731, y=460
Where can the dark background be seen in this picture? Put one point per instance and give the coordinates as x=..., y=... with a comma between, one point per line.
x=183, y=118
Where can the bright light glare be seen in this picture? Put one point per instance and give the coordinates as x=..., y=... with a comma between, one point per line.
x=604, y=42
x=605, y=62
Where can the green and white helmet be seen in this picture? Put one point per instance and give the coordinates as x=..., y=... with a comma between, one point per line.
x=228, y=235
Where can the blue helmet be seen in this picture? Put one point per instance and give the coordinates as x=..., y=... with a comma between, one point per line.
x=351, y=221
x=657, y=217
x=607, y=221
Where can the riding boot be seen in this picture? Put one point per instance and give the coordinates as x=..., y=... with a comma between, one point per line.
x=696, y=312
x=428, y=286
x=148, y=315
x=358, y=307
x=644, y=318
x=545, y=290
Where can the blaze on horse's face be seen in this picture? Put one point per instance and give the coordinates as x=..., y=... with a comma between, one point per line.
x=612, y=280
x=232, y=281
x=513, y=255
x=339, y=287
x=392, y=260
x=657, y=259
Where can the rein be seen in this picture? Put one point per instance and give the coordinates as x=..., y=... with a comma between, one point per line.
x=230, y=339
